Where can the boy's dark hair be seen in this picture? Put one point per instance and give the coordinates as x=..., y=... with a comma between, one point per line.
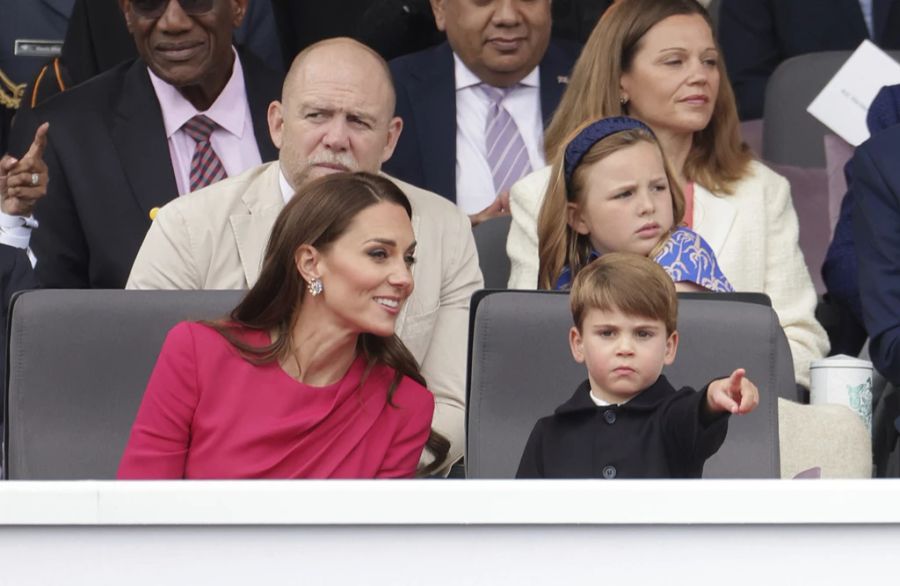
x=630, y=283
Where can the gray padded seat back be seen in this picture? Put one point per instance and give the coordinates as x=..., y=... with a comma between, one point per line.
x=79, y=361
x=490, y=241
x=791, y=136
x=521, y=369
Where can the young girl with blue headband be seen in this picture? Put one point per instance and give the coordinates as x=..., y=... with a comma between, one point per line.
x=611, y=190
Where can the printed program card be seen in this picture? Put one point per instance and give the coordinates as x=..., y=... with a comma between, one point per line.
x=843, y=103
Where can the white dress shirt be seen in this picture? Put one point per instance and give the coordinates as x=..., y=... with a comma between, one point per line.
x=287, y=192
x=474, y=182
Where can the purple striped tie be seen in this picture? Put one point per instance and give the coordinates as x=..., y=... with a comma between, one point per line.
x=505, y=148
x=206, y=168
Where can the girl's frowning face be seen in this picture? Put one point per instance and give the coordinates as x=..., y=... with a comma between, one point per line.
x=626, y=202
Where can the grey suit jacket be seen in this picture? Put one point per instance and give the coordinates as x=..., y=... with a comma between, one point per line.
x=215, y=239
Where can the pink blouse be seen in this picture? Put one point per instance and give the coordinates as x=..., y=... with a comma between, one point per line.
x=688, y=205
x=209, y=413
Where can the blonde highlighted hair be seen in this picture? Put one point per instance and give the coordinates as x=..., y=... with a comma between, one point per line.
x=630, y=283
x=559, y=245
x=718, y=157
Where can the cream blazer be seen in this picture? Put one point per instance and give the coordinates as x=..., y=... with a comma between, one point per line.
x=753, y=232
x=215, y=239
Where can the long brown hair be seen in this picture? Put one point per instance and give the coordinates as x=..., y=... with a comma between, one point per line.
x=318, y=215
x=717, y=159
x=559, y=245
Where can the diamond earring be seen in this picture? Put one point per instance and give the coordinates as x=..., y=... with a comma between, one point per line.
x=315, y=287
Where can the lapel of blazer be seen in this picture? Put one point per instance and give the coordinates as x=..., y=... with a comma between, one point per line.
x=554, y=74
x=263, y=86
x=713, y=217
x=61, y=7
x=138, y=133
x=252, y=226
x=433, y=98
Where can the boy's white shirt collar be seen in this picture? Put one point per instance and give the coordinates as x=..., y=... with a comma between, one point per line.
x=601, y=403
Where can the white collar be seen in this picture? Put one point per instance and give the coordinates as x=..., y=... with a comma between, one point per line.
x=287, y=192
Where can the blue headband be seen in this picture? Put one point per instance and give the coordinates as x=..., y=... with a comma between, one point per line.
x=593, y=134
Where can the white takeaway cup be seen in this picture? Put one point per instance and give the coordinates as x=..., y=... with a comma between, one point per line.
x=843, y=380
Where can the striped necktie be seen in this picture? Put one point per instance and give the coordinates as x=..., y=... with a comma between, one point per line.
x=505, y=148
x=206, y=168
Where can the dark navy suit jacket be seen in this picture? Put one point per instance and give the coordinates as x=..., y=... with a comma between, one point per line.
x=109, y=166
x=840, y=270
x=426, y=100
x=757, y=35
x=876, y=230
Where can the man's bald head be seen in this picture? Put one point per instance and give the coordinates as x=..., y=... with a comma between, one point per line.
x=336, y=112
x=342, y=50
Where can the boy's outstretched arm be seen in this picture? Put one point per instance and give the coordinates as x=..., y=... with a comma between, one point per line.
x=735, y=394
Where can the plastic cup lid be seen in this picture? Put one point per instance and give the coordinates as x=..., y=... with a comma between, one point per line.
x=841, y=361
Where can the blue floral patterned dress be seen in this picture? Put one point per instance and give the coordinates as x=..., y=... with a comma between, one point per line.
x=686, y=256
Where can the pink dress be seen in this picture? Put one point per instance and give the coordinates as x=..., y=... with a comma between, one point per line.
x=208, y=413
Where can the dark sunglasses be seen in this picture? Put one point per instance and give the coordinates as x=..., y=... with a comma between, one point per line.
x=156, y=8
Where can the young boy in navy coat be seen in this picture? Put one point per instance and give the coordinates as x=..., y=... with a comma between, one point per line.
x=626, y=420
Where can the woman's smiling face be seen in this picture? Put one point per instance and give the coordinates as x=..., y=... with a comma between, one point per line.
x=367, y=272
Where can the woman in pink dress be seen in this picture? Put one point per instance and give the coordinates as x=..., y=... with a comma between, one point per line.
x=305, y=378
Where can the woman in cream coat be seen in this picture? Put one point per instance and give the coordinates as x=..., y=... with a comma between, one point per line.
x=656, y=60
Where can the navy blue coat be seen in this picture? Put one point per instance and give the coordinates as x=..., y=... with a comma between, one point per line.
x=660, y=433
x=840, y=270
x=876, y=230
x=426, y=101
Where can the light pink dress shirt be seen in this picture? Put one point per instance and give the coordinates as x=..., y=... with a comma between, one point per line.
x=234, y=141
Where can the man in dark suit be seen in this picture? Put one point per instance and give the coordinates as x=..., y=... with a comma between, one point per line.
x=876, y=230
x=840, y=271
x=114, y=155
x=444, y=98
x=757, y=35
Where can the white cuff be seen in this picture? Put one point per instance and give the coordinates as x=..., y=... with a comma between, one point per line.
x=15, y=231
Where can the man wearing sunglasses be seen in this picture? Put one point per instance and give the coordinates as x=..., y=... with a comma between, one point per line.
x=189, y=111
